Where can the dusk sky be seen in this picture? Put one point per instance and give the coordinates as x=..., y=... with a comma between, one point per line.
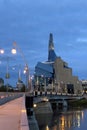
x=29, y=23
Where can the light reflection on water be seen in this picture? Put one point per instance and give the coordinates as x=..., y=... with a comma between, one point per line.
x=68, y=120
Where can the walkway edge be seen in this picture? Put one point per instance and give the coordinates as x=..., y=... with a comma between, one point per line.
x=24, y=120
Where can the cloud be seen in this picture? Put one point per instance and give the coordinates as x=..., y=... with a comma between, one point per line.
x=32, y=51
x=83, y=40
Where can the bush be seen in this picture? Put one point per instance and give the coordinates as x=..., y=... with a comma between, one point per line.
x=78, y=103
x=3, y=89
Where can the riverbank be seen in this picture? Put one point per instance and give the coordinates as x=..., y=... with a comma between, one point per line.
x=82, y=103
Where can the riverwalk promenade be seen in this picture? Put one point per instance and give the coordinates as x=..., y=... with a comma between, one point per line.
x=13, y=115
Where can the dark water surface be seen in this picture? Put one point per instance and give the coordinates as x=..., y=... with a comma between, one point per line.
x=65, y=120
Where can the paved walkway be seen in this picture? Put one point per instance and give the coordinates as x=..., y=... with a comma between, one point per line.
x=10, y=115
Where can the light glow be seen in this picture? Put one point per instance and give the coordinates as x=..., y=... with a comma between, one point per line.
x=1, y=51
x=13, y=51
x=47, y=128
x=23, y=110
x=35, y=105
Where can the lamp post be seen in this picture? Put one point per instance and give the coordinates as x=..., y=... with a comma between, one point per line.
x=7, y=76
x=26, y=71
x=26, y=68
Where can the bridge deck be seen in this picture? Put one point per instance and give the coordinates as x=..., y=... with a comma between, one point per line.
x=10, y=115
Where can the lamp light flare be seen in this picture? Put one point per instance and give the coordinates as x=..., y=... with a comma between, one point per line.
x=35, y=105
x=13, y=51
x=24, y=71
x=1, y=51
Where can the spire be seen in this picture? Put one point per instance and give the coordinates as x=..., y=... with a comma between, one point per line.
x=51, y=53
x=51, y=44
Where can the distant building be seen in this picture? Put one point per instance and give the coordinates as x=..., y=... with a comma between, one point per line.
x=84, y=86
x=19, y=84
x=54, y=74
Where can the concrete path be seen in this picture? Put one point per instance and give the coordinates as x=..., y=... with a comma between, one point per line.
x=10, y=115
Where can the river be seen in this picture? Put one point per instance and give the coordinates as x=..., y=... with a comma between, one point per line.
x=63, y=120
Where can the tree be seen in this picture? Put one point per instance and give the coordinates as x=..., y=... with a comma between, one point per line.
x=3, y=89
x=22, y=88
x=1, y=82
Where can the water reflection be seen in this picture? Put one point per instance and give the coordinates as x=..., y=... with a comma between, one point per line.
x=69, y=120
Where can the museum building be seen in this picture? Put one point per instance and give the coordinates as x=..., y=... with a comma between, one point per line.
x=55, y=74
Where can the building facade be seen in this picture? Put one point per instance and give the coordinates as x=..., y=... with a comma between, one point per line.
x=84, y=86
x=55, y=75
x=65, y=81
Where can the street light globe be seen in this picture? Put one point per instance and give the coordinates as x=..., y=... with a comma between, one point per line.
x=24, y=71
x=13, y=51
x=1, y=51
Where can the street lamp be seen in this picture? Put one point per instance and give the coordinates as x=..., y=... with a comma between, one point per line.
x=26, y=71
x=1, y=51
x=26, y=68
x=7, y=76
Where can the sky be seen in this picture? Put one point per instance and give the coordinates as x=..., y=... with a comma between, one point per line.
x=29, y=23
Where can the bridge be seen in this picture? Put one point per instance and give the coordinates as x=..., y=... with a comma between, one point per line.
x=42, y=96
x=55, y=101
x=13, y=113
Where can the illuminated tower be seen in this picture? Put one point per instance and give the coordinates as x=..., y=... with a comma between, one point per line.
x=51, y=53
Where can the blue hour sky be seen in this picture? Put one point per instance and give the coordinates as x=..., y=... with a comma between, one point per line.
x=29, y=22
